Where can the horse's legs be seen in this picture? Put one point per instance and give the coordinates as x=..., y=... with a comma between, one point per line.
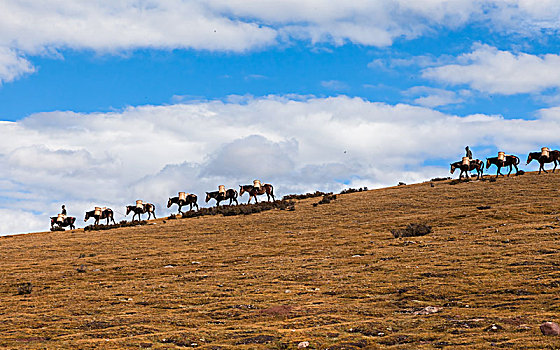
x=555, y=164
x=180, y=207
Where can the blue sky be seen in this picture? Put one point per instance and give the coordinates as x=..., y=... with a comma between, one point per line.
x=86, y=81
x=103, y=103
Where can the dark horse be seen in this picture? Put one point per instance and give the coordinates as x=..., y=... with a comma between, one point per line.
x=105, y=214
x=230, y=194
x=511, y=161
x=474, y=164
x=68, y=221
x=146, y=208
x=553, y=156
x=190, y=200
x=254, y=192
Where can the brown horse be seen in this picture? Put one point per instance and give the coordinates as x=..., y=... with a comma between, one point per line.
x=553, y=156
x=230, y=194
x=474, y=164
x=105, y=214
x=510, y=160
x=254, y=192
x=191, y=200
x=146, y=208
x=68, y=221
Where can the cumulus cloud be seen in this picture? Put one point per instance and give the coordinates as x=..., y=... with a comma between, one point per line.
x=12, y=65
x=494, y=71
x=297, y=143
x=46, y=27
x=433, y=97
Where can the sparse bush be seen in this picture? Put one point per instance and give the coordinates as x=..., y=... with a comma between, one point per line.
x=412, y=230
x=326, y=199
x=435, y=179
x=305, y=196
x=123, y=223
x=352, y=190
x=242, y=209
x=24, y=288
x=458, y=181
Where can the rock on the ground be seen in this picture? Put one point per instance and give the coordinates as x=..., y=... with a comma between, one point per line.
x=428, y=310
x=303, y=345
x=550, y=328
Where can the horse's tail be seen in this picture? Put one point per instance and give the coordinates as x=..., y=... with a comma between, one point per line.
x=516, y=160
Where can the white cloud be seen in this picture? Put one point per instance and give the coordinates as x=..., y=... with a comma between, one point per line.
x=297, y=143
x=334, y=85
x=490, y=70
x=12, y=65
x=46, y=27
x=433, y=97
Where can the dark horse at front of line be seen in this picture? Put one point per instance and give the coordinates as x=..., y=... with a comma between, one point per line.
x=510, y=160
x=553, y=156
x=254, y=191
x=190, y=200
x=475, y=164
x=146, y=208
x=68, y=221
x=105, y=214
x=230, y=194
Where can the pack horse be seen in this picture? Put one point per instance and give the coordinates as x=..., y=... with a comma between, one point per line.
x=503, y=160
x=543, y=157
x=467, y=165
x=182, y=200
x=99, y=214
x=222, y=194
x=257, y=189
x=141, y=208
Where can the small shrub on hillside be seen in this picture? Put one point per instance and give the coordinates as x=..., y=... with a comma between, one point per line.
x=57, y=228
x=326, y=199
x=440, y=179
x=305, y=196
x=24, y=288
x=242, y=209
x=412, y=230
x=352, y=190
x=123, y=223
x=458, y=181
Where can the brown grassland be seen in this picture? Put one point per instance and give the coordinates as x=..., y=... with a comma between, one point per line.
x=332, y=275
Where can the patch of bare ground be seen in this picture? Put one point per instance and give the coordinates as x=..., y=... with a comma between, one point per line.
x=332, y=275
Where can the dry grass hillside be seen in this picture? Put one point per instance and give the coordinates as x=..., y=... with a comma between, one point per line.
x=332, y=275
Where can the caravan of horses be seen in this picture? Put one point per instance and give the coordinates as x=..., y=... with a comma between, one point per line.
x=466, y=165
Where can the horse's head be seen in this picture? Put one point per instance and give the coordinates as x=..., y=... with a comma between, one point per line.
x=87, y=216
x=169, y=202
x=453, y=167
x=241, y=190
x=529, y=158
x=129, y=209
x=207, y=197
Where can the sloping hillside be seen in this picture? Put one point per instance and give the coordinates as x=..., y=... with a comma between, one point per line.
x=332, y=275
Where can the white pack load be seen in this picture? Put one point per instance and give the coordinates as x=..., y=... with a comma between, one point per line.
x=501, y=156
x=222, y=189
x=97, y=211
x=60, y=218
x=466, y=161
x=139, y=204
x=257, y=183
x=182, y=196
x=545, y=152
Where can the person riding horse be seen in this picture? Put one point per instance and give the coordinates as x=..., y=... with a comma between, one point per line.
x=468, y=152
